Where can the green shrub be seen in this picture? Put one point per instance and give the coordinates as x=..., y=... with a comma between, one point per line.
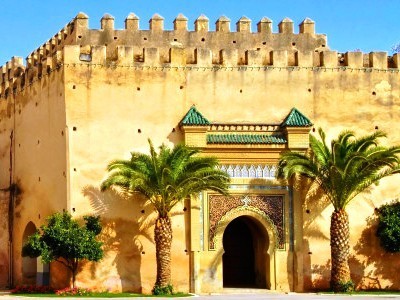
x=389, y=226
x=163, y=290
x=345, y=287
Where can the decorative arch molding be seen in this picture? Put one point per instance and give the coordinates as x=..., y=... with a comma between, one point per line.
x=256, y=215
x=269, y=208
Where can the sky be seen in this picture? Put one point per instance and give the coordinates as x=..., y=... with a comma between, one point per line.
x=368, y=25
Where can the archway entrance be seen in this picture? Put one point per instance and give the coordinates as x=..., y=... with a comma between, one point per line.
x=34, y=272
x=245, y=260
x=29, y=265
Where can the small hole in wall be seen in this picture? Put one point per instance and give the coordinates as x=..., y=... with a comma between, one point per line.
x=62, y=132
x=39, y=178
x=308, y=211
x=184, y=209
x=38, y=142
x=240, y=91
x=309, y=252
x=234, y=42
x=258, y=49
x=39, y=216
x=264, y=43
x=376, y=127
x=36, y=104
x=173, y=129
x=143, y=252
x=138, y=88
x=145, y=39
x=185, y=250
x=64, y=173
x=293, y=44
x=313, y=130
x=175, y=40
x=142, y=211
x=73, y=209
x=309, y=90
x=181, y=87
x=74, y=169
x=139, y=131
x=203, y=39
x=115, y=38
x=374, y=93
x=322, y=45
x=74, y=128
x=79, y=36
x=316, y=50
x=73, y=87
x=19, y=145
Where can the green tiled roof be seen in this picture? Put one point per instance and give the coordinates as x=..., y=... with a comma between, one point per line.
x=296, y=119
x=194, y=118
x=245, y=139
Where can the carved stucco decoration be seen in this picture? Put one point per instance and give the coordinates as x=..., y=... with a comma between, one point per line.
x=271, y=206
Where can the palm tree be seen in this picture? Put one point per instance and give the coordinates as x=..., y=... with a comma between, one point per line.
x=166, y=178
x=345, y=169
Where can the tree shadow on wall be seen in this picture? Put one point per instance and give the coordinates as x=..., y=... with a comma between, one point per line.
x=372, y=267
x=126, y=223
x=315, y=276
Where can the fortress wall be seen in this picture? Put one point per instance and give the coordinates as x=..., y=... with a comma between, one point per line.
x=113, y=97
x=149, y=99
x=36, y=115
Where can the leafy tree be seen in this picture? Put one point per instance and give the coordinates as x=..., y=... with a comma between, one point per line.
x=65, y=241
x=345, y=169
x=166, y=178
x=389, y=226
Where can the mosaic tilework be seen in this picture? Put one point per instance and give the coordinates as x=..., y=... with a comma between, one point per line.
x=271, y=205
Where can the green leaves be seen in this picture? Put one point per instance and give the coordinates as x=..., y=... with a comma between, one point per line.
x=64, y=240
x=167, y=176
x=389, y=226
x=345, y=168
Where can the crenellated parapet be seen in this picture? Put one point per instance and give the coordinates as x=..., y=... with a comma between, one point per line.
x=264, y=49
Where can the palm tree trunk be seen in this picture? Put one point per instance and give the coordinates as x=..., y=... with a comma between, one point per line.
x=163, y=240
x=340, y=248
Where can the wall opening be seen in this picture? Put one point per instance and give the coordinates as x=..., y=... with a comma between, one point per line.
x=29, y=265
x=34, y=272
x=245, y=261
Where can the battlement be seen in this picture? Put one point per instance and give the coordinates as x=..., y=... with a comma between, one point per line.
x=76, y=43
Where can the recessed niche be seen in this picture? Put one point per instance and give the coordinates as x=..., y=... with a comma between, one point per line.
x=138, y=88
x=376, y=127
x=139, y=130
x=74, y=128
x=373, y=93
x=145, y=38
x=203, y=39
x=181, y=87
x=115, y=38
x=74, y=87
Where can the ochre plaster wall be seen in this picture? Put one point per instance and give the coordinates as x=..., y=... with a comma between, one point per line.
x=69, y=124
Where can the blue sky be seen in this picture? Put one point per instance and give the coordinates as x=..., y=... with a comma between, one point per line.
x=367, y=25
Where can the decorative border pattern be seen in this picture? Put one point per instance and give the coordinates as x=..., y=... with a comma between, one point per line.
x=271, y=205
x=250, y=171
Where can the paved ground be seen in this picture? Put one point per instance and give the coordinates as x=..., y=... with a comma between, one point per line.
x=248, y=296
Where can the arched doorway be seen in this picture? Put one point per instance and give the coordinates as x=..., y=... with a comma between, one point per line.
x=245, y=260
x=29, y=265
x=34, y=272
